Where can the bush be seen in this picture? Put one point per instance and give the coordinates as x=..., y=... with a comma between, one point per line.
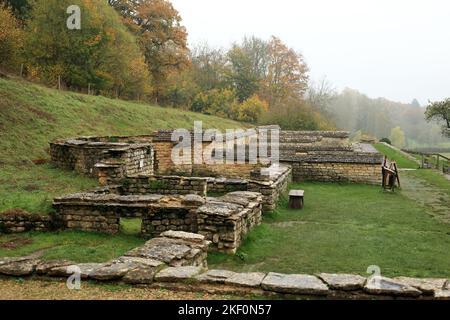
x=250, y=110
x=217, y=102
x=11, y=38
x=386, y=140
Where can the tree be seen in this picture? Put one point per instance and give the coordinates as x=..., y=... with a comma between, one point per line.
x=321, y=94
x=440, y=111
x=162, y=38
x=415, y=103
x=102, y=54
x=19, y=8
x=218, y=102
x=286, y=73
x=248, y=66
x=397, y=137
x=11, y=39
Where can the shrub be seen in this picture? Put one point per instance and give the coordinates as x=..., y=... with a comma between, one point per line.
x=250, y=110
x=386, y=140
x=216, y=102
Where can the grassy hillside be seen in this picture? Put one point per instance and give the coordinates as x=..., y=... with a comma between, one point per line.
x=32, y=115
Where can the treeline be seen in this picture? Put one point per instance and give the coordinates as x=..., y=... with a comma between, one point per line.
x=403, y=124
x=138, y=50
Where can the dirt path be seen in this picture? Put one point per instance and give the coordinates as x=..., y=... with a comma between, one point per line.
x=427, y=195
x=34, y=289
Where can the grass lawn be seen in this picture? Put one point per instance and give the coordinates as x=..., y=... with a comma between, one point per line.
x=392, y=154
x=75, y=246
x=32, y=187
x=346, y=228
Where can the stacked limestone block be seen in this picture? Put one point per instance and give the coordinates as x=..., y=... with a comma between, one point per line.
x=99, y=212
x=97, y=157
x=223, y=185
x=145, y=184
x=271, y=185
x=175, y=248
x=177, y=213
x=16, y=221
x=226, y=220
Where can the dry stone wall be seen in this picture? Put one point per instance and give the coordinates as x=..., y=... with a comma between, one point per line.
x=16, y=221
x=329, y=156
x=102, y=159
x=145, y=184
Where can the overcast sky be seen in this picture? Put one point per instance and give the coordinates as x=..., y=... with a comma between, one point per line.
x=398, y=49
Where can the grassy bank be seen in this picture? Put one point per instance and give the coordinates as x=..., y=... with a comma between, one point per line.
x=32, y=115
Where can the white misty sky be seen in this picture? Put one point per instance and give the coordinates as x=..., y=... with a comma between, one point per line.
x=398, y=49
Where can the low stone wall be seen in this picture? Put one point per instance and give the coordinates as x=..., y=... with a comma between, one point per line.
x=328, y=156
x=144, y=184
x=224, y=220
x=104, y=159
x=177, y=261
x=277, y=184
x=337, y=172
x=16, y=221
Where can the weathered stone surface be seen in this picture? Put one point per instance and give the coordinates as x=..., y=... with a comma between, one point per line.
x=294, y=284
x=44, y=267
x=215, y=276
x=192, y=200
x=5, y=260
x=85, y=270
x=345, y=282
x=138, y=261
x=141, y=275
x=113, y=271
x=19, y=268
x=183, y=235
x=426, y=285
x=385, y=286
x=173, y=274
x=249, y=279
x=442, y=294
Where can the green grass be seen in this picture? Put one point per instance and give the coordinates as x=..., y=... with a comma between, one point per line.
x=31, y=116
x=346, y=228
x=33, y=187
x=75, y=246
x=396, y=156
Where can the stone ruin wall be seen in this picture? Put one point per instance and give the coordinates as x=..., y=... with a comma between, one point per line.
x=96, y=157
x=223, y=220
x=17, y=221
x=328, y=156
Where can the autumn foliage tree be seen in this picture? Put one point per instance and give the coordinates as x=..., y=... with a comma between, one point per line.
x=102, y=54
x=11, y=38
x=162, y=38
x=440, y=111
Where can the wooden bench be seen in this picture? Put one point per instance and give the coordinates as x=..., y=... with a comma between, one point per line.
x=296, y=199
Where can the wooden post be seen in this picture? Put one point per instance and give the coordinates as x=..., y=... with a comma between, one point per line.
x=89, y=88
x=21, y=70
x=59, y=82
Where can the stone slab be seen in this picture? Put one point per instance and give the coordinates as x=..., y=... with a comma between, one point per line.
x=215, y=276
x=85, y=270
x=386, y=286
x=44, y=267
x=174, y=274
x=113, y=271
x=346, y=282
x=19, y=268
x=294, y=284
x=426, y=285
x=248, y=279
x=141, y=275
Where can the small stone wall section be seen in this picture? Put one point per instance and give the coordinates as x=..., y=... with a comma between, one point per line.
x=144, y=184
x=98, y=158
x=21, y=221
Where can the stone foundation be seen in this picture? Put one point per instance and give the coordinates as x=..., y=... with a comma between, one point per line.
x=144, y=184
x=103, y=159
x=16, y=221
x=224, y=220
x=337, y=172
